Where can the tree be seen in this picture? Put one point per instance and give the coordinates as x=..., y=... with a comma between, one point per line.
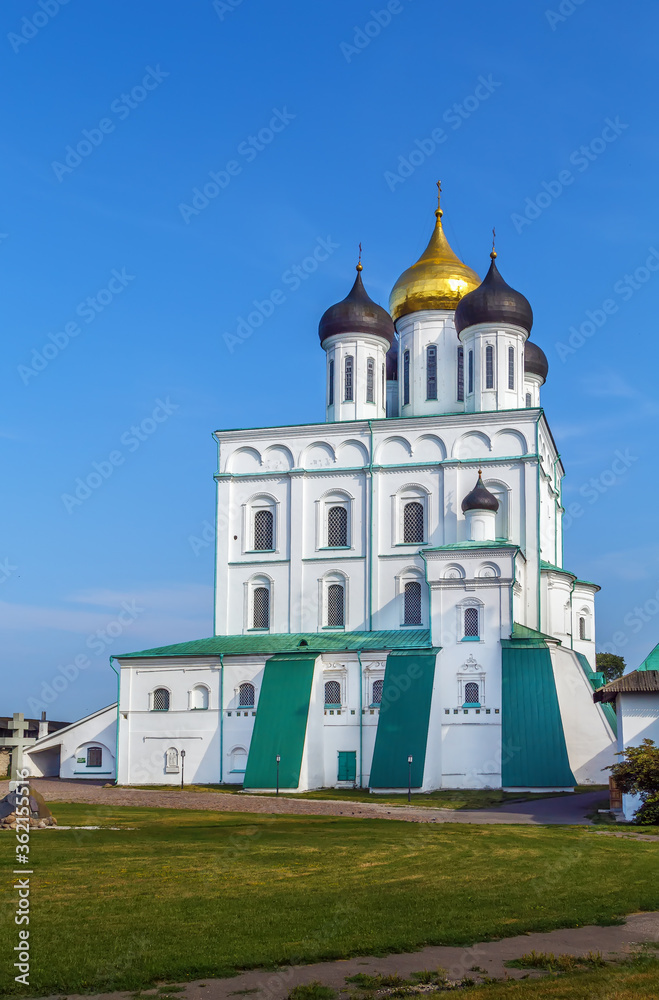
x=638, y=774
x=610, y=665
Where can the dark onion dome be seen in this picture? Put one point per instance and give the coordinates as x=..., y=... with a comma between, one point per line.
x=480, y=498
x=493, y=301
x=392, y=362
x=535, y=360
x=357, y=313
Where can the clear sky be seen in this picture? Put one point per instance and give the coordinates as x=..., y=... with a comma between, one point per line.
x=122, y=290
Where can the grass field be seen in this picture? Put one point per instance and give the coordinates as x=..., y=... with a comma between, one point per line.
x=634, y=980
x=187, y=894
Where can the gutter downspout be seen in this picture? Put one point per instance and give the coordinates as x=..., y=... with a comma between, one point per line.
x=221, y=717
x=558, y=504
x=116, y=748
x=217, y=512
x=572, y=586
x=370, y=534
x=537, y=453
x=361, y=718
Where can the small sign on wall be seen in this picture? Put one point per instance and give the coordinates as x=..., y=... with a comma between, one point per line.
x=81, y=760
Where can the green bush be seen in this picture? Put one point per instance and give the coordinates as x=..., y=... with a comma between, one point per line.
x=648, y=814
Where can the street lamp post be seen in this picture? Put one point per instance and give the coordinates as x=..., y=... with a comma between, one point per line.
x=409, y=778
x=278, y=759
x=182, y=766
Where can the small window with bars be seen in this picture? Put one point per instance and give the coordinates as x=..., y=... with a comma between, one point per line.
x=370, y=380
x=511, y=367
x=161, y=700
x=431, y=372
x=413, y=522
x=471, y=693
x=349, y=393
x=376, y=693
x=261, y=600
x=461, y=374
x=384, y=386
x=337, y=527
x=471, y=629
x=264, y=533
x=412, y=603
x=489, y=367
x=470, y=387
x=94, y=757
x=330, y=384
x=246, y=696
x=406, y=378
x=335, y=605
x=529, y=401
x=332, y=694
x=582, y=628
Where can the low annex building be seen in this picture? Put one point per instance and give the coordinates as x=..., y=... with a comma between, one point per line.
x=391, y=605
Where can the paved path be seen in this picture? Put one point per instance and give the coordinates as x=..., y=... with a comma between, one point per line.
x=567, y=809
x=611, y=942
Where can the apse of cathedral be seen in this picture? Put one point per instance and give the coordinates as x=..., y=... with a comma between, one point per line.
x=391, y=605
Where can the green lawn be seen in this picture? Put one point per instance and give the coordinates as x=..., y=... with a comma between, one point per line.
x=634, y=980
x=187, y=894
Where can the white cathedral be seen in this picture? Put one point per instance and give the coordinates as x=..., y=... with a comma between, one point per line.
x=391, y=607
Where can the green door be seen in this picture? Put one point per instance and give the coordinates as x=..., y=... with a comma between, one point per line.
x=347, y=765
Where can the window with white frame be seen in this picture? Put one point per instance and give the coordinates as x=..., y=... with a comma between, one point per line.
x=489, y=367
x=238, y=758
x=335, y=605
x=471, y=623
x=94, y=757
x=337, y=526
x=471, y=684
x=412, y=613
x=376, y=691
x=261, y=609
x=160, y=700
x=199, y=697
x=333, y=694
x=470, y=620
x=511, y=367
x=471, y=693
x=413, y=521
x=529, y=401
x=370, y=380
x=330, y=383
x=406, y=377
x=461, y=375
x=470, y=372
x=348, y=379
x=584, y=625
x=171, y=760
x=264, y=530
x=431, y=372
x=246, y=695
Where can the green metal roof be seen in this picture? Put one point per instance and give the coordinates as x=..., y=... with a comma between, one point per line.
x=651, y=661
x=524, y=632
x=472, y=545
x=268, y=643
x=556, y=569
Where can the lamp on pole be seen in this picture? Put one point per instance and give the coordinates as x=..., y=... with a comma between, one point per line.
x=409, y=778
x=278, y=759
x=182, y=766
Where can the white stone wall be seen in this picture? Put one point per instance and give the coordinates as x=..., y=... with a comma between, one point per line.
x=61, y=753
x=590, y=743
x=638, y=719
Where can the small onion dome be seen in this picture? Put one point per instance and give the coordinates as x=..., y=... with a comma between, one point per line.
x=357, y=313
x=392, y=362
x=494, y=301
x=480, y=498
x=535, y=361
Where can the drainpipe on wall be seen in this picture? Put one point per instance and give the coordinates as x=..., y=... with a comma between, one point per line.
x=557, y=504
x=370, y=532
x=361, y=718
x=537, y=455
x=116, y=748
x=221, y=717
x=572, y=586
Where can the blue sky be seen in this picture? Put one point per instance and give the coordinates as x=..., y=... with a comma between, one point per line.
x=121, y=296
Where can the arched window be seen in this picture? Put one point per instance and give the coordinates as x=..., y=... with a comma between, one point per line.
x=238, y=760
x=332, y=694
x=246, y=696
x=377, y=692
x=199, y=697
x=511, y=367
x=370, y=380
x=335, y=605
x=337, y=527
x=471, y=693
x=161, y=700
x=348, y=393
x=406, y=377
x=413, y=522
x=384, y=386
x=470, y=387
x=330, y=384
x=412, y=603
x=264, y=524
x=171, y=760
x=94, y=757
x=529, y=401
x=431, y=372
x=471, y=630
x=261, y=611
x=489, y=367
x=582, y=628
x=461, y=374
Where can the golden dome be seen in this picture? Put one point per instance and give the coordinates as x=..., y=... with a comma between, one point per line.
x=438, y=280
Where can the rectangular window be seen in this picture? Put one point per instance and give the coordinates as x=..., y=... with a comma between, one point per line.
x=94, y=757
x=384, y=386
x=370, y=381
x=470, y=388
x=431, y=373
x=330, y=386
x=489, y=367
x=335, y=606
x=406, y=378
x=348, y=395
x=461, y=374
x=511, y=367
x=347, y=765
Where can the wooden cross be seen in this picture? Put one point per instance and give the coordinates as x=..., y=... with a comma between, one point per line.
x=17, y=743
